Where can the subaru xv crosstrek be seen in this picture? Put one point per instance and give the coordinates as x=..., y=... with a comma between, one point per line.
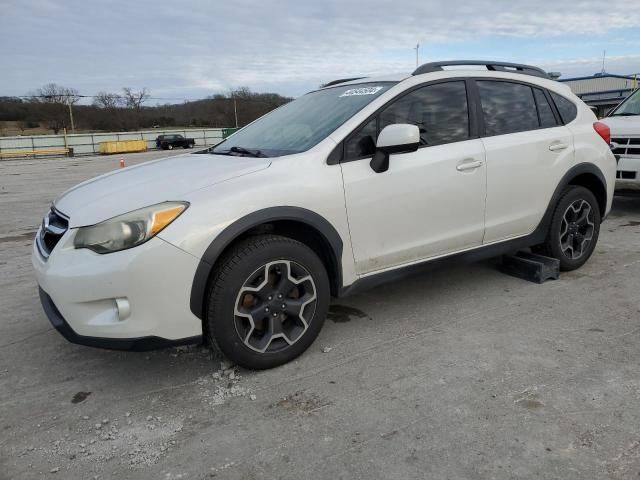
x=244, y=244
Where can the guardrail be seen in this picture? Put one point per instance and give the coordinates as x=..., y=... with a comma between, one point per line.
x=32, y=153
x=89, y=143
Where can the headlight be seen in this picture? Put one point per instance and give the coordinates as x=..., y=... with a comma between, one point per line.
x=130, y=229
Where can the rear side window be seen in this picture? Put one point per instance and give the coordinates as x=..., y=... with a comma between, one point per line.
x=568, y=110
x=507, y=107
x=547, y=118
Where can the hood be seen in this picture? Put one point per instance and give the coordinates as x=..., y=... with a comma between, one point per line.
x=167, y=179
x=623, y=126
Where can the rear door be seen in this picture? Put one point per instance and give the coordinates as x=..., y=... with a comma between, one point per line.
x=527, y=153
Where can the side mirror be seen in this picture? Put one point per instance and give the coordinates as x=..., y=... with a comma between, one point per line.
x=396, y=138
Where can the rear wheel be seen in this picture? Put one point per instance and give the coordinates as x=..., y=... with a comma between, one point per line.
x=170, y=147
x=574, y=229
x=267, y=301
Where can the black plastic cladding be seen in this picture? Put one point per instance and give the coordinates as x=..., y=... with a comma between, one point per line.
x=245, y=224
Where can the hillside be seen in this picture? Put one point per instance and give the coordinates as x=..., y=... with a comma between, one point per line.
x=20, y=116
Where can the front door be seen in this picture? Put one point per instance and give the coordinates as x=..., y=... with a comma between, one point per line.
x=429, y=202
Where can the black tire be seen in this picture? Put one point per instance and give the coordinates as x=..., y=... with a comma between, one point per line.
x=169, y=147
x=553, y=246
x=225, y=299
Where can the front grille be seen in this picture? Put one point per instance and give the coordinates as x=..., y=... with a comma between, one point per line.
x=626, y=174
x=54, y=226
x=625, y=146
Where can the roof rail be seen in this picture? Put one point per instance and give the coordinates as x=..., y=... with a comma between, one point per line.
x=341, y=80
x=494, y=66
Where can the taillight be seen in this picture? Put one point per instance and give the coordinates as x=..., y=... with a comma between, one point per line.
x=603, y=130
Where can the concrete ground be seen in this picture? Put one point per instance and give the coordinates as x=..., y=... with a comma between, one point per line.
x=459, y=373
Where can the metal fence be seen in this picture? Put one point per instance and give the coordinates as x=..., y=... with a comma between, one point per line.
x=89, y=143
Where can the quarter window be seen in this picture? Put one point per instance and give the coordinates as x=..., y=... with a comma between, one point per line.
x=363, y=143
x=507, y=107
x=568, y=110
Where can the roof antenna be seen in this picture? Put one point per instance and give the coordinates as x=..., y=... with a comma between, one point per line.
x=417, y=49
x=604, y=55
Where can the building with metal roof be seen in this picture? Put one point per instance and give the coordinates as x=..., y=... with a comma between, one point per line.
x=603, y=91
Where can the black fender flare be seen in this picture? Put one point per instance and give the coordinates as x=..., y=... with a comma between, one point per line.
x=573, y=172
x=246, y=223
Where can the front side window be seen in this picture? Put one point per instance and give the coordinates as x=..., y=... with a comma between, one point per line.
x=567, y=109
x=301, y=124
x=507, y=107
x=440, y=111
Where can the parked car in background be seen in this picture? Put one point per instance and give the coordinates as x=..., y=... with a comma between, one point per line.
x=169, y=142
x=624, y=123
x=244, y=244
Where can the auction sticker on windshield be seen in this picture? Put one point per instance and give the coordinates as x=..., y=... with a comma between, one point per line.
x=361, y=91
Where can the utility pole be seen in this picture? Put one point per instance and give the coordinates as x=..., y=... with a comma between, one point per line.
x=73, y=128
x=235, y=109
x=417, y=49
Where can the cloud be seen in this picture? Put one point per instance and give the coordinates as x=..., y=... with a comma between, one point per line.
x=198, y=47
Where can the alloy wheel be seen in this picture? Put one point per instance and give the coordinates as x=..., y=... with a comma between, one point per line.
x=577, y=229
x=274, y=306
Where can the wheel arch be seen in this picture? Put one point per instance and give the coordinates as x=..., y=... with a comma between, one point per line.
x=586, y=175
x=294, y=222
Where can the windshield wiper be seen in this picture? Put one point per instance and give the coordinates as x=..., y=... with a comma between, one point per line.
x=241, y=151
x=625, y=114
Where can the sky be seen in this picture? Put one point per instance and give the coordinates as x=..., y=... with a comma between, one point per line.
x=189, y=49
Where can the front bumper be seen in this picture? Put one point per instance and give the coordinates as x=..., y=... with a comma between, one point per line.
x=140, y=344
x=136, y=299
x=628, y=174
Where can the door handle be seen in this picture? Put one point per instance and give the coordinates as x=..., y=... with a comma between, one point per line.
x=469, y=165
x=555, y=147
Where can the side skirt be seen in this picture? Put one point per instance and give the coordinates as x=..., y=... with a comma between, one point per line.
x=481, y=253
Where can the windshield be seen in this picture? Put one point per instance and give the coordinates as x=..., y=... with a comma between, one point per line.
x=299, y=125
x=629, y=107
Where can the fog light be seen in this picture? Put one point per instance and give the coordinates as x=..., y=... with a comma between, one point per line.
x=123, y=307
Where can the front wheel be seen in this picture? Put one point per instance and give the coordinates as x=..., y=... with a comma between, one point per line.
x=574, y=229
x=170, y=147
x=267, y=301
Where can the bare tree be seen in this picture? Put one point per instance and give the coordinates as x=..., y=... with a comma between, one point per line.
x=107, y=100
x=53, y=93
x=60, y=99
x=135, y=99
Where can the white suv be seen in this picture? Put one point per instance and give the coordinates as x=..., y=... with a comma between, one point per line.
x=244, y=244
x=624, y=122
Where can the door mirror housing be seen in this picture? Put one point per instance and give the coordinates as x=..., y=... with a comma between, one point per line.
x=395, y=138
